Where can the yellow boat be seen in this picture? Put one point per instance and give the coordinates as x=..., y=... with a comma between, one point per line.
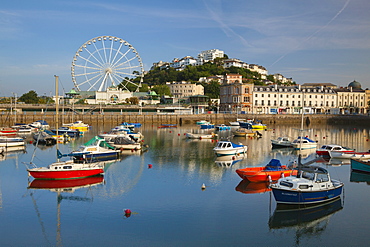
x=78, y=125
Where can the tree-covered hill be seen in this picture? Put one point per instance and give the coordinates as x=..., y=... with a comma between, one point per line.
x=192, y=73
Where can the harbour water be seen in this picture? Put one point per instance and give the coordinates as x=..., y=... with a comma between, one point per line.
x=163, y=189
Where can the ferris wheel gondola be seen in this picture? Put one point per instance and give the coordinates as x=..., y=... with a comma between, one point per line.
x=107, y=61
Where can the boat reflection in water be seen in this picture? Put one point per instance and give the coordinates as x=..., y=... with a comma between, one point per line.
x=65, y=185
x=12, y=152
x=360, y=177
x=248, y=187
x=307, y=221
x=229, y=160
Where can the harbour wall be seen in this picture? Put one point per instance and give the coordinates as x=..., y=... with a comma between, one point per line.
x=113, y=118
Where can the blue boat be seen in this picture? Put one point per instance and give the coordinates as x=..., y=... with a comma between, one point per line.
x=222, y=127
x=308, y=185
x=68, y=131
x=207, y=126
x=359, y=165
x=96, y=149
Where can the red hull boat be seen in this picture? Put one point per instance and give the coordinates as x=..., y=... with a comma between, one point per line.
x=67, y=170
x=325, y=149
x=272, y=171
x=8, y=131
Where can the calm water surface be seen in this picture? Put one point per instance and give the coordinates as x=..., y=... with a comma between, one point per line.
x=168, y=206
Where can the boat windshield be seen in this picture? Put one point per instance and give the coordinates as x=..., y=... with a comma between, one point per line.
x=308, y=175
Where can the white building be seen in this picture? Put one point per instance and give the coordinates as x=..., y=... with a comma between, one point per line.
x=180, y=64
x=282, y=79
x=209, y=55
x=208, y=79
x=184, y=89
x=113, y=95
x=282, y=99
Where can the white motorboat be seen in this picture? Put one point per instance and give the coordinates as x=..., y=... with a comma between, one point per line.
x=201, y=136
x=125, y=143
x=308, y=185
x=349, y=155
x=229, y=148
x=282, y=142
x=11, y=141
x=96, y=149
x=324, y=149
x=303, y=143
x=40, y=124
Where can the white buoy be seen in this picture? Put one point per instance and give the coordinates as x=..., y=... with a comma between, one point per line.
x=203, y=186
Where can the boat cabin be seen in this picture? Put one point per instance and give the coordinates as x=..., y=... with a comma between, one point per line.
x=313, y=178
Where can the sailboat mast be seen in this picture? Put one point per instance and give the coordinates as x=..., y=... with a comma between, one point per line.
x=57, y=109
x=56, y=102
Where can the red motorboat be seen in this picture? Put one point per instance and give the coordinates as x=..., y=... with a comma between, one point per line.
x=67, y=170
x=271, y=172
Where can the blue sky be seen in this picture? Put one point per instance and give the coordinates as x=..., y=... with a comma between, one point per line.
x=310, y=41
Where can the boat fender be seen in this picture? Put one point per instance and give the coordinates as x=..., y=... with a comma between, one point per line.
x=269, y=177
x=282, y=174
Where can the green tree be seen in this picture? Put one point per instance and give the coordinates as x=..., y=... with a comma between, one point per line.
x=212, y=89
x=144, y=88
x=162, y=89
x=29, y=98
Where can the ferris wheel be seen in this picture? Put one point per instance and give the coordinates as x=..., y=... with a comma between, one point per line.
x=107, y=61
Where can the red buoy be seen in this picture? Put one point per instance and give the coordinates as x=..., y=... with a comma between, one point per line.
x=127, y=212
x=150, y=166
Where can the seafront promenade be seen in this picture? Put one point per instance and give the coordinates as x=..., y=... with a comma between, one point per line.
x=181, y=119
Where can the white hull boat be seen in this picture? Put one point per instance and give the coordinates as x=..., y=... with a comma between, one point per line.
x=349, y=155
x=229, y=148
x=282, y=142
x=11, y=141
x=304, y=143
x=201, y=136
